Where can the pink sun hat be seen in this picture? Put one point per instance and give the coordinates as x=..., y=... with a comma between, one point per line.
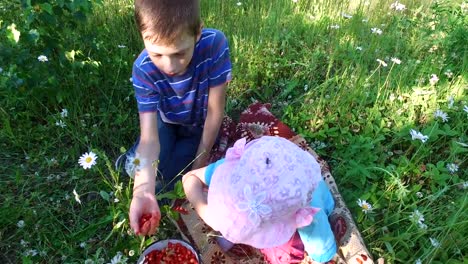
x=261, y=194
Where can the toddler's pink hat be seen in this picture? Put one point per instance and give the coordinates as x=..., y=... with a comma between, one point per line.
x=262, y=192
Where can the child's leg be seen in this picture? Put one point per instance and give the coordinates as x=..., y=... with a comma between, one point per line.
x=183, y=153
x=167, y=141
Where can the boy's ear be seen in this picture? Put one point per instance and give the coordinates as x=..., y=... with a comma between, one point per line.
x=305, y=216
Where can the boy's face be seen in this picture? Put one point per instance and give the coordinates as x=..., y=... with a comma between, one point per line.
x=172, y=59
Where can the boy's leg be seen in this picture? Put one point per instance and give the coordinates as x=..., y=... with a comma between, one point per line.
x=184, y=151
x=167, y=142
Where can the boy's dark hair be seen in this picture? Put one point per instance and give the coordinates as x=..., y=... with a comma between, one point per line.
x=163, y=21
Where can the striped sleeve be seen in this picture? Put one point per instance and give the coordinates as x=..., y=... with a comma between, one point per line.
x=220, y=70
x=146, y=96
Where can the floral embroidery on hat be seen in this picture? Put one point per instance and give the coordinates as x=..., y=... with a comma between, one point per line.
x=253, y=203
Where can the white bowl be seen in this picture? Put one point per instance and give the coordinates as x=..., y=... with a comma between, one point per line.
x=158, y=245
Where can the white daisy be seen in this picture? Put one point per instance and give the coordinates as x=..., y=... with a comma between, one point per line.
x=118, y=259
x=121, y=46
x=465, y=185
x=116, y=200
x=42, y=58
x=448, y=73
x=418, y=135
x=134, y=163
x=418, y=261
x=60, y=123
x=87, y=160
x=376, y=31
x=359, y=48
x=77, y=197
x=24, y=243
x=348, y=16
x=131, y=253
x=335, y=26
x=20, y=224
x=382, y=63
x=365, y=20
x=434, y=79
x=434, y=242
x=397, y=6
x=64, y=113
x=452, y=167
x=441, y=114
x=419, y=194
x=366, y=207
x=239, y=3
x=417, y=217
x=396, y=60
x=82, y=244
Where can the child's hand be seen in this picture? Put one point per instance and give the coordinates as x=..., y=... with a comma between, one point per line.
x=144, y=214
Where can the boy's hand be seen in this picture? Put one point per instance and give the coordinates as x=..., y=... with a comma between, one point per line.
x=144, y=214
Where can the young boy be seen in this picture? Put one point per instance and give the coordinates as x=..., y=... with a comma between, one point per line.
x=180, y=83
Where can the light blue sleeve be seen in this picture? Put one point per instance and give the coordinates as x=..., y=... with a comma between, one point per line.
x=318, y=238
x=210, y=170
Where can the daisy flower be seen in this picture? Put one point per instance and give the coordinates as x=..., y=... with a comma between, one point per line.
x=77, y=197
x=121, y=46
x=434, y=242
x=82, y=244
x=239, y=3
x=20, y=224
x=448, y=73
x=396, y=60
x=418, y=135
x=382, y=63
x=397, y=6
x=441, y=114
x=42, y=58
x=418, y=261
x=118, y=259
x=452, y=167
x=87, y=160
x=419, y=194
x=365, y=20
x=134, y=163
x=131, y=253
x=377, y=31
x=335, y=26
x=64, y=113
x=417, y=217
x=348, y=16
x=434, y=79
x=359, y=48
x=60, y=123
x=365, y=206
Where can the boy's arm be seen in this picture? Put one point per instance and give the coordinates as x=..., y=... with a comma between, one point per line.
x=214, y=119
x=144, y=201
x=194, y=182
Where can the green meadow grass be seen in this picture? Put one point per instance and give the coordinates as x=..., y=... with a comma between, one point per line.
x=315, y=64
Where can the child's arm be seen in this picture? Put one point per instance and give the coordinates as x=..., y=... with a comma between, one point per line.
x=214, y=119
x=144, y=201
x=194, y=182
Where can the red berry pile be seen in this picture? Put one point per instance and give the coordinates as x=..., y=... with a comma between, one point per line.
x=174, y=253
x=144, y=218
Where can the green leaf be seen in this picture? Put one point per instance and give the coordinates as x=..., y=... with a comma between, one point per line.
x=47, y=7
x=104, y=195
x=12, y=33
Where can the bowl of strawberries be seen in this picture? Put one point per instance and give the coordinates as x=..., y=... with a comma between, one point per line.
x=169, y=251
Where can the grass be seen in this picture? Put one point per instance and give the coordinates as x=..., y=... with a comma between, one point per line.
x=357, y=113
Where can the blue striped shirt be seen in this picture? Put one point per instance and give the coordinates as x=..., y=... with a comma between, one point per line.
x=183, y=99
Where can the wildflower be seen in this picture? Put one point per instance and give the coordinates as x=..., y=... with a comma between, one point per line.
x=131, y=253
x=397, y=6
x=134, y=163
x=382, y=63
x=366, y=207
x=31, y=252
x=377, y=31
x=418, y=135
x=306, y=87
x=67, y=196
x=452, y=167
x=116, y=200
x=419, y=194
x=20, y=224
x=451, y=101
x=434, y=79
x=60, y=123
x=24, y=243
x=335, y=26
x=130, y=80
x=434, y=242
x=77, y=197
x=417, y=217
x=118, y=259
x=365, y=20
x=465, y=108
x=64, y=113
x=348, y=16
x=121, y=46
x=418, y=261
x=42, y=58
x=82, y=244
x=87, y=160
x=239, y=3
x=359, y=48
x=465, y=185
x=295, y=1
x=448, y=73
x=396, y=60
x=441, y=114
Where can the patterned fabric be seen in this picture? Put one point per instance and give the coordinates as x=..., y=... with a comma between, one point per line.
x=183, y=99
x=255, y=122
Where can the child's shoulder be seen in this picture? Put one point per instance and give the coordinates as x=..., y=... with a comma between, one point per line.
x=211, y=39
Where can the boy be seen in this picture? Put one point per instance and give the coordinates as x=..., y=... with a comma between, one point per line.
x=180, y=83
